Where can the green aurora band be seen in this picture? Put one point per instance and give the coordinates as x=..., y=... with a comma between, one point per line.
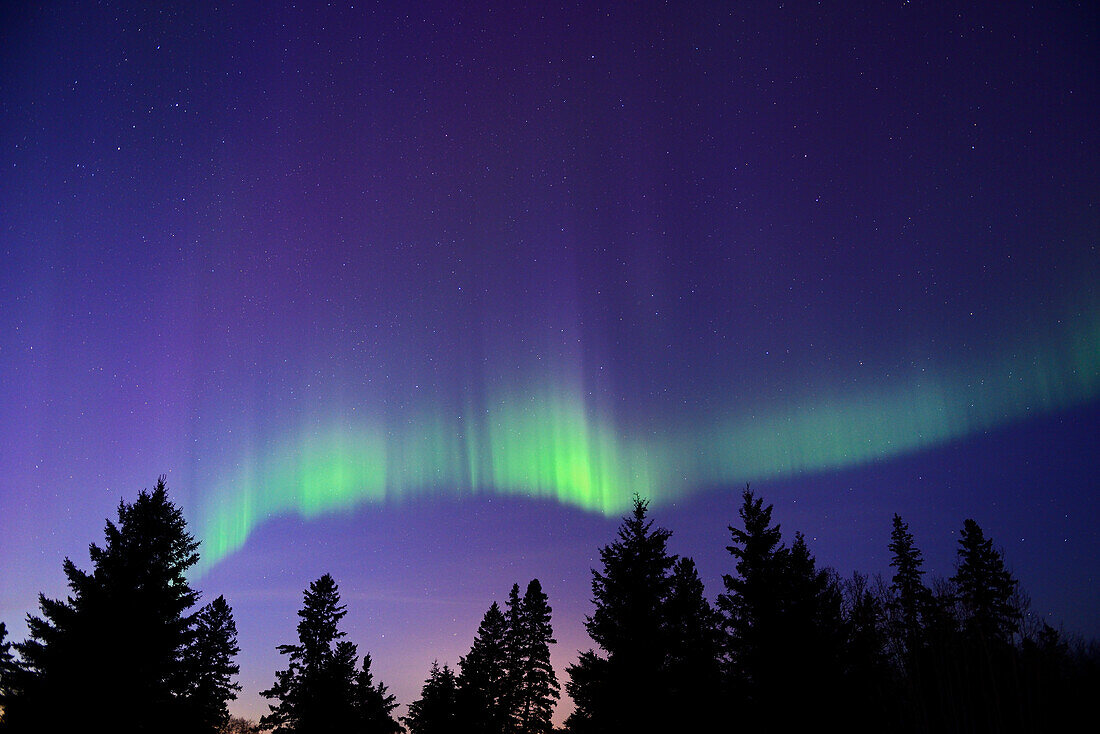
x=550, y=442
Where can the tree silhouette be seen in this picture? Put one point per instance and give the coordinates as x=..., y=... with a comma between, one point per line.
x=211, y=668
x=483, y=680
x=513, y=658
x=436, y=711
x=752, y=603
x=125, y=627
x=629, y=624
x=786, y=631
x=692, y=666
x=320, y=690
x=239, y=725
x=7, y=667
x=314, y=692
x=967, y=679
x=538, y=683
x=374, y=705
x=788, y=646
x=985, y=589
x=816, y=635
x=867, y=654
x=910, y=595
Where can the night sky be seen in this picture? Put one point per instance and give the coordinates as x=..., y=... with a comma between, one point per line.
x=419, y=296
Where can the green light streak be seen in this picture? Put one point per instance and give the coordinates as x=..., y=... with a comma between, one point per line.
x=550, y=442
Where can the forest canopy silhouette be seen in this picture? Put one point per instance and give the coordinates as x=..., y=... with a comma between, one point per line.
x=785, y=645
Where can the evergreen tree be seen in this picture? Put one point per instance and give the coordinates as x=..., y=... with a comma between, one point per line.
x=695, y=649
x=513, y=659
x=7, y=667
x=320, y=691
x=125, y=627
x=589, y=688
x=967, y=672
x=436, y=711
x=785, y=625
x=910, y=595
x=629, y=624
x=752, y=602
x=539, y=687
x=985, y=589
x=816, y=633
x=211, y=670
x=374, y=705
x=483, y=681
x=313, y=694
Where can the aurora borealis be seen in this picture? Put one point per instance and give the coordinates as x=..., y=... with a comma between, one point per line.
x=420, y=296
x=549, y=443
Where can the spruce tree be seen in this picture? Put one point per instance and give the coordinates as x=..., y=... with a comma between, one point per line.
x=631, y=590
x=483, y=679
x=752, y=604
x=539, y=688
x=985, y=589
x=513, y=659
x=630, y=625
x=211, y=668
x=815, y=634
x=910, y=596
x=695, y=649
x=7, y=667
x=126, y=627
x=373, y=703
x=436, y=711
x=320, y=690
x=305, y=690
x=786, y=629
x=589, y=688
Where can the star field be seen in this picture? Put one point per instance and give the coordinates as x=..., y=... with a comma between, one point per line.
x=421, y=296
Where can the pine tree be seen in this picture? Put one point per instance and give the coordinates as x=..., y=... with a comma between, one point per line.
x=483, y=680
x=985, y=589
x=436, y=711
x=629, y=624
x=320, y=690
x=125, y=626
x=211, y=669
x=539, y=687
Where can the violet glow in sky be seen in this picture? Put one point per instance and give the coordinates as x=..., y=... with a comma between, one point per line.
x=420, y=297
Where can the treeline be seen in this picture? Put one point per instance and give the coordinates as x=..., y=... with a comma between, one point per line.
x=505, y=683
x=787, y=645
x=790, y=646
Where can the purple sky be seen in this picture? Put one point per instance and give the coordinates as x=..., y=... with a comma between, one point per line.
x=737, y=233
